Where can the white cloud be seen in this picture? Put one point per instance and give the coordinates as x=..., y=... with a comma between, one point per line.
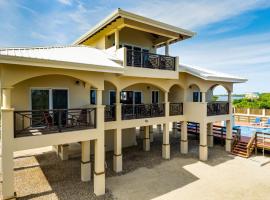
x=196, y=13
x=65, y=2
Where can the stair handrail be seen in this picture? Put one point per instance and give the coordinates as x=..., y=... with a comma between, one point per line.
x=250, y=143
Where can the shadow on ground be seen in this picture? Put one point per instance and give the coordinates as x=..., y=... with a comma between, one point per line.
x=145, y=174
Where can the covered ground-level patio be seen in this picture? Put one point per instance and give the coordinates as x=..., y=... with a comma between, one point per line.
x=40, y=174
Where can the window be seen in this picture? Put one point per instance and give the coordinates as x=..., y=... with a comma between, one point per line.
x=93, y=97
x=155, y=97
x=197, y=97
x=112, y=97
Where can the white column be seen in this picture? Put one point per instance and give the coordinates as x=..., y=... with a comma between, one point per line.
x=210, y=136
x=167, y=49
x=85, y=161
x=184, y=138
x=116, y=35
x=229, y=131
x=63, y=153
x=117, y=156
x=151, y=133
x=99, y=171
x=7, y=135
x=203, y=142
x=203, y=97
x=146, y=139
x=166, y=142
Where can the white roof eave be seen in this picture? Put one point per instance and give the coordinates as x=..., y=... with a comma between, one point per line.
x=59, y=64
x=210, y=75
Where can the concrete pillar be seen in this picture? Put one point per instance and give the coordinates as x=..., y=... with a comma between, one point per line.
x=151, y=133
x=167, y=49
x=184, y=138
x=85, y=161
x=166, y=142
x=117, y=156
x=7, y=135
x=229, y=131
x=99, y=172
x=174, y=128
x=116, y=39
x=203, y=97
x=63, y=153
x=210, y=136
x=203, y=151
x=146, y=139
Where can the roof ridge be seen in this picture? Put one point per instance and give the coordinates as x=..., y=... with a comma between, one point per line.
x=38, y=47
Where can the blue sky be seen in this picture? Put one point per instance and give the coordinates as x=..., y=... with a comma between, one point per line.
x=233, y=36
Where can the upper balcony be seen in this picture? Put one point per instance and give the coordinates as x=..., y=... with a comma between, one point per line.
x=150, y=60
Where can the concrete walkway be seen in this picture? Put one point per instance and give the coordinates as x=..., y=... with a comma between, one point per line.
x=181, y=178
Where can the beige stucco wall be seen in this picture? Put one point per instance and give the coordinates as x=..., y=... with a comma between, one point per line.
x=137, y=38
x=128, y=138
x=78, y=94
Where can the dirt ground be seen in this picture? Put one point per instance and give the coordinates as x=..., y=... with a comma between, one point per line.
x=145, y=175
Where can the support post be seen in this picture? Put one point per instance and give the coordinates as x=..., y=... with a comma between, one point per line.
x=117, y=156
x=166, y=142
x=203, y=142
x=210, y=136
x=184, y=138
x=146, y=139
x=63, y=153
x=7, y=136
x=85, y=161
x=99, y=171
x=229, y=131
x=118, y=106
x=167, y=49
x=116, y=33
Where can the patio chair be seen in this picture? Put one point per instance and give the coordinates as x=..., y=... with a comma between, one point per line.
x=267, y=123
x=48, y=120
x=257, y=121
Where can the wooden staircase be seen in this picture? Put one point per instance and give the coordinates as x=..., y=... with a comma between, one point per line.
x=244, y=148
x=240, y=149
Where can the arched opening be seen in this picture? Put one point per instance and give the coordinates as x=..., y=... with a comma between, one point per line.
x=141, y=101
x=176, y=99
x=217, y=100
x=194, y=93
x=109, y=99
x=51, y=103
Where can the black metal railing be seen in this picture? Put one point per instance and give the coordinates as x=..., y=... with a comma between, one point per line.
x=110, y=113
x=217, y=108
x=150, y=60
x=36, y=122
x=176, y=109
x=138, y=111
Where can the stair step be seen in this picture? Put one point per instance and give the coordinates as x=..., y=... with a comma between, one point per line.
x=236, y=154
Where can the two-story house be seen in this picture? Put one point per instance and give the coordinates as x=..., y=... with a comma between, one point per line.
x=97, y=90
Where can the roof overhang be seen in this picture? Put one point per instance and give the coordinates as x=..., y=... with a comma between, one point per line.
x=210, y=75
x=128, y=21
x=5, y=59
